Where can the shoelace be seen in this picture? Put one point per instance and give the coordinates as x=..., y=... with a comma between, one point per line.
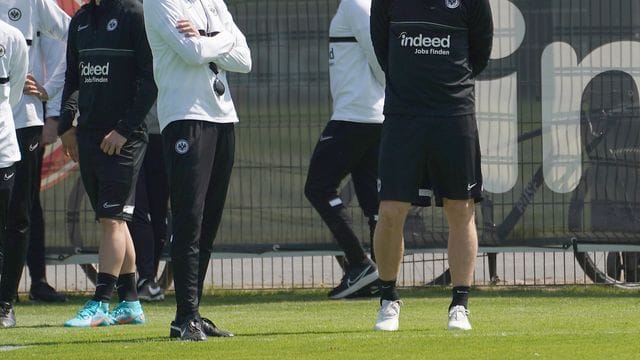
x=391, y=310
x=458, y=311
x=87, y=311
x=5, y=310
x=118, y=311
x=194, y=326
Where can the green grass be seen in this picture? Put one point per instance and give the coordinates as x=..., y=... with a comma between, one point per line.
x=569, y=323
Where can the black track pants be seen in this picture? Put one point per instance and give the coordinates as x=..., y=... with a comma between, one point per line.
x=199, y=157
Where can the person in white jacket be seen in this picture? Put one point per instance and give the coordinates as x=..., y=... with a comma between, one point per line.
x=52, y=58
x=13, y=73
x=33, y=18
x=349, y=143
x=194, y=44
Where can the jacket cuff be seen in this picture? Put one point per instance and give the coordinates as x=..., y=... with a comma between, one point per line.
x=65, y=123
x=123, y=129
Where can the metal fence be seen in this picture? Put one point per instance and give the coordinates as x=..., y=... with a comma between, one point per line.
x=558, y=112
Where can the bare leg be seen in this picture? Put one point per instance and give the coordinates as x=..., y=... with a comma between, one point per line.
x=388, y=239
x=129, y=262
x=113, y=246
x=463, y=240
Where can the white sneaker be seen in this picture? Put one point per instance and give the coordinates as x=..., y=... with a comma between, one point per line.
x=459, y=318
x=388, y=317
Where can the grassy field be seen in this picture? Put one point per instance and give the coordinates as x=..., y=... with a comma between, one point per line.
x=569, y=323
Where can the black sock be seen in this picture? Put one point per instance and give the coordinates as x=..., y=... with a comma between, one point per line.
x=104, y=287
x=126, y=287
x=460, y=296
x=388, y=291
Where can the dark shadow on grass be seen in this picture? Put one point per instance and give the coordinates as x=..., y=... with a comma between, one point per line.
x=101, y=341
x=167, y=339
x=245, y=297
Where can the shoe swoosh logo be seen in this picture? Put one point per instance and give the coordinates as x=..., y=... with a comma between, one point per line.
x=97, y=321
x=360, y=276
x=154, y=290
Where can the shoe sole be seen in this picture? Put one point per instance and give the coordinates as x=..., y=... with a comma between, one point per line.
x=103, y=322
x=365, y=281
x=174, y=333
x=458, y=328
x=151, y=298
x=382, y=329
x=130, y=321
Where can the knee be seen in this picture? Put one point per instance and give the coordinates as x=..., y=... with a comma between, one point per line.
x=315, y=193
x=310, y=192
x=392, y=214
x=459, y=212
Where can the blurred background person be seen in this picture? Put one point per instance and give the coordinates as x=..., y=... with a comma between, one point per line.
x=349, y=143
x=52, y=57
x=148, y=226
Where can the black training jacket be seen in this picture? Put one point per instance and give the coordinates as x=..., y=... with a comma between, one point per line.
x=109, y=77
x=430, y=51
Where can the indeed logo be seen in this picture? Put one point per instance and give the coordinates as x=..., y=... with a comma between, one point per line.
x=434, y=45
x=92, y=72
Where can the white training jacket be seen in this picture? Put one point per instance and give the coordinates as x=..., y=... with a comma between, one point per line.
x=181, y=64
x=356, y=78
x=13, y=72
x=35, y=18
x=54, y=66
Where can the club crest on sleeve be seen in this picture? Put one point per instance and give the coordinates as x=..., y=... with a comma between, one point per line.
x=112, y=24
x=14, y=14
x=182, y=146
x=452, y=4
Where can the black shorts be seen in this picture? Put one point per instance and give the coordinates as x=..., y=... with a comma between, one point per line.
x=424, y=157
x=110, y=180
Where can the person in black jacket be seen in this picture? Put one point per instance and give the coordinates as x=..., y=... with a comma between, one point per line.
x=109, y=79
x=431, y=52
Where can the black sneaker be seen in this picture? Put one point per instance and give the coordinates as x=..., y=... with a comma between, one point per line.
x=210, y=329
x=149, y=290
x=41, y=291
x=354, y=279
x=7, y=315
x=189, y=331
x=370, y=291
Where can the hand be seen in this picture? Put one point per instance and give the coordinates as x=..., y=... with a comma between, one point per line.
x=50, y=131
x=112, y=143
x=70, y=144
x=31, y=87
x=187, y=28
